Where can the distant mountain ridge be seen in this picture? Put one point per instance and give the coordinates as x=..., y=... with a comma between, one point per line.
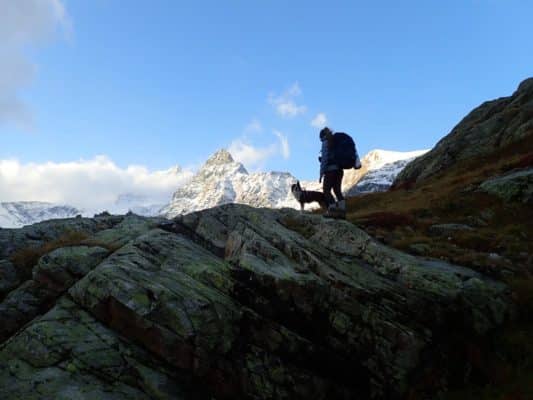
x=222, y=180
x=20, y=213
x=378, y=171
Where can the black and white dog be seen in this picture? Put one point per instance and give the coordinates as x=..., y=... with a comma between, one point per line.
x=307, y=196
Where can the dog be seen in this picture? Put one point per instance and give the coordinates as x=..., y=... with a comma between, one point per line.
x=308, y=196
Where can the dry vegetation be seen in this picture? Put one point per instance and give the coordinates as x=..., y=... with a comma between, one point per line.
x=26, y=258
x=501, y=239
x=500, y=245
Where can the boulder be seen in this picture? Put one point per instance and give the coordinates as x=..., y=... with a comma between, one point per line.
x=514, y=186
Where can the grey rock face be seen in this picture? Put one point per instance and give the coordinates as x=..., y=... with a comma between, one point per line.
x=54, y=273
x=515, y=186
x=67, y=354
x=492, y=125
x=240, y=302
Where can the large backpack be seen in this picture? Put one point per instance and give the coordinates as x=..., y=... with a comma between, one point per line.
x=345, y=152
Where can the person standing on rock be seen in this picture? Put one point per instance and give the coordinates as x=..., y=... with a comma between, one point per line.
x=332, y=173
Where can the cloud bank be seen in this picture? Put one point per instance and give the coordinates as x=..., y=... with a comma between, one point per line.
x=94, y=184
x=23, y=24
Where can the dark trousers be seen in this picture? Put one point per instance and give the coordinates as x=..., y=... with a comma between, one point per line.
x=333, y=180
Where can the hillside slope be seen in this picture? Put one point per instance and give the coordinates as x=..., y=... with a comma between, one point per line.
x=489, y=128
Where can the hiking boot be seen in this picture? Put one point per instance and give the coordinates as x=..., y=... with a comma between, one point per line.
x=335, y=211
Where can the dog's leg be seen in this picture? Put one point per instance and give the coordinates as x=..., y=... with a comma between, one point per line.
x=301, y=207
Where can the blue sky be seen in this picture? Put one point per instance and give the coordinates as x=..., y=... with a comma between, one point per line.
x=161, y=83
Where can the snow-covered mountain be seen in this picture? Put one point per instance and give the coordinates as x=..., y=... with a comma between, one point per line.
x=378, y=171
x=138, y=204
x=219, y=181
x=20, y=213
x=222, y=180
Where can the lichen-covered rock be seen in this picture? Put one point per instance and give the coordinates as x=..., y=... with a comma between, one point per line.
x=514, y=186
x=127, y=229
x=22, y=296
x=64, y=266
x=489, y=127
x=35, y=235
x=66, y=354
x=54, y=274
x=247, y=303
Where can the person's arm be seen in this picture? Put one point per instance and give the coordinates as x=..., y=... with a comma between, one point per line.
x=324, y=158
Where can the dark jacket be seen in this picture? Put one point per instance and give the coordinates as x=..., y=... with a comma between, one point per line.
x=327, y=157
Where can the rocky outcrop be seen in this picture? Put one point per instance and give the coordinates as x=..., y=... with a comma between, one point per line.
x=239, y=302
x=514, y=186
x=489, y=127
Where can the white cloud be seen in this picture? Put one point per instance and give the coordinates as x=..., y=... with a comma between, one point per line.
x=93, y=184
x=255, y=157
x=23, y=23
x=251, y=156
x=319, y=121
x=294, y=90
x=254, y=126
x=284, y=144
x=285, y=104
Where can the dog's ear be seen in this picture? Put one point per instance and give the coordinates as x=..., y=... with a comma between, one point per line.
x=298, y=185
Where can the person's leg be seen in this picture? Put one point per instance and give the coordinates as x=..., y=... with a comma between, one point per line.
x=337, y=184
x=327, y=185
x=340, y=206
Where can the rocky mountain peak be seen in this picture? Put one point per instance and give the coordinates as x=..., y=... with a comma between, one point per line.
x=220, y=157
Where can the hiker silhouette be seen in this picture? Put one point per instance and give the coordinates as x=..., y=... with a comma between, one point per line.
x=331, y=171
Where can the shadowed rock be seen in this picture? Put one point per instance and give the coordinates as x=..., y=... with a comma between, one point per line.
x=489, y=127
x=252, y=303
